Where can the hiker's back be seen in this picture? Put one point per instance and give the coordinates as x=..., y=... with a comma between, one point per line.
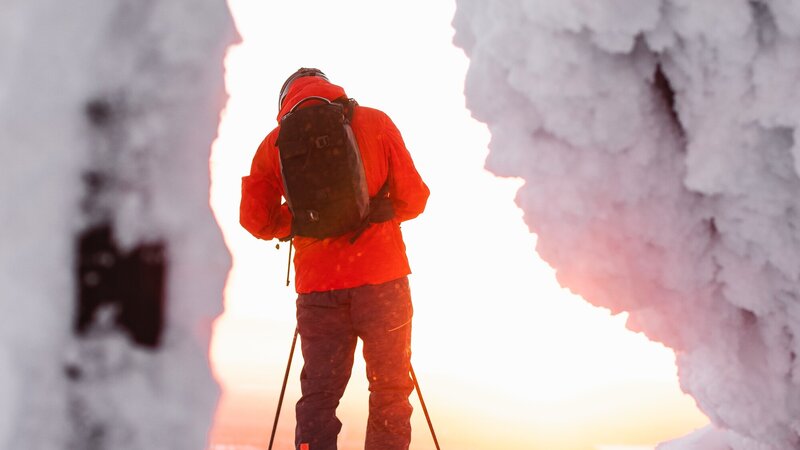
x=378, y=254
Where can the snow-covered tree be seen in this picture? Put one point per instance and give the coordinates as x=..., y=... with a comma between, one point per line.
x=658, y=144
x=112, y=266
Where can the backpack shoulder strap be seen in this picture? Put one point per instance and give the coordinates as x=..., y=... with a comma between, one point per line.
x=349, y=105
x=381, y=196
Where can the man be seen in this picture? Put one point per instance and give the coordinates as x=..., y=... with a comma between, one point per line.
x=350, y=286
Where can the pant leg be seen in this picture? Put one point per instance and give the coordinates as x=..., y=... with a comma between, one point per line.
x=382, y=317
x=328, y=343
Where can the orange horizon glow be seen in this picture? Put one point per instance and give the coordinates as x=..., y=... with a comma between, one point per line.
x=505, y=356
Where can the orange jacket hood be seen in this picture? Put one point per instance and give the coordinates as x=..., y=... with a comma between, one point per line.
x=309, y=87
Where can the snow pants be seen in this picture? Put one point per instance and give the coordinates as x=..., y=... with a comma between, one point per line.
x=330, y=324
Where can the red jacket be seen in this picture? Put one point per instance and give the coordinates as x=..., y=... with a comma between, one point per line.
x=378, y=255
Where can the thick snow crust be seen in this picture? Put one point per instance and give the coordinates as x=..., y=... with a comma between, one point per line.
x=658, y=141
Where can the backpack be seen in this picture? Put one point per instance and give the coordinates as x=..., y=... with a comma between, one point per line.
x=323, y=176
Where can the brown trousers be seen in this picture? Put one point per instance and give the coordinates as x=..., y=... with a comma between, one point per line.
x=330, y=324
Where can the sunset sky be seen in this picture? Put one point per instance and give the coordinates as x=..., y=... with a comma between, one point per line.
x=506, y=358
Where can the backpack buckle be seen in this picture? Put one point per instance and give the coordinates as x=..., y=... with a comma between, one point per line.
x=321, y=141
x=313, y=216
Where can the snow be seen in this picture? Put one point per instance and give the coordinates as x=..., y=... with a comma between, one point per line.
x=684, y=216
x=702, y=439
x=159, y=67
x=658, y=144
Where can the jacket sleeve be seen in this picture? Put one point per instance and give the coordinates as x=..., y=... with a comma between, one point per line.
x=408, y=192
x=261, y=212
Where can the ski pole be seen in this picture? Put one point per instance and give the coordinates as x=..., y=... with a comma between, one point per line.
x=283, y=389
x=424, y=408
x=289, y=264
